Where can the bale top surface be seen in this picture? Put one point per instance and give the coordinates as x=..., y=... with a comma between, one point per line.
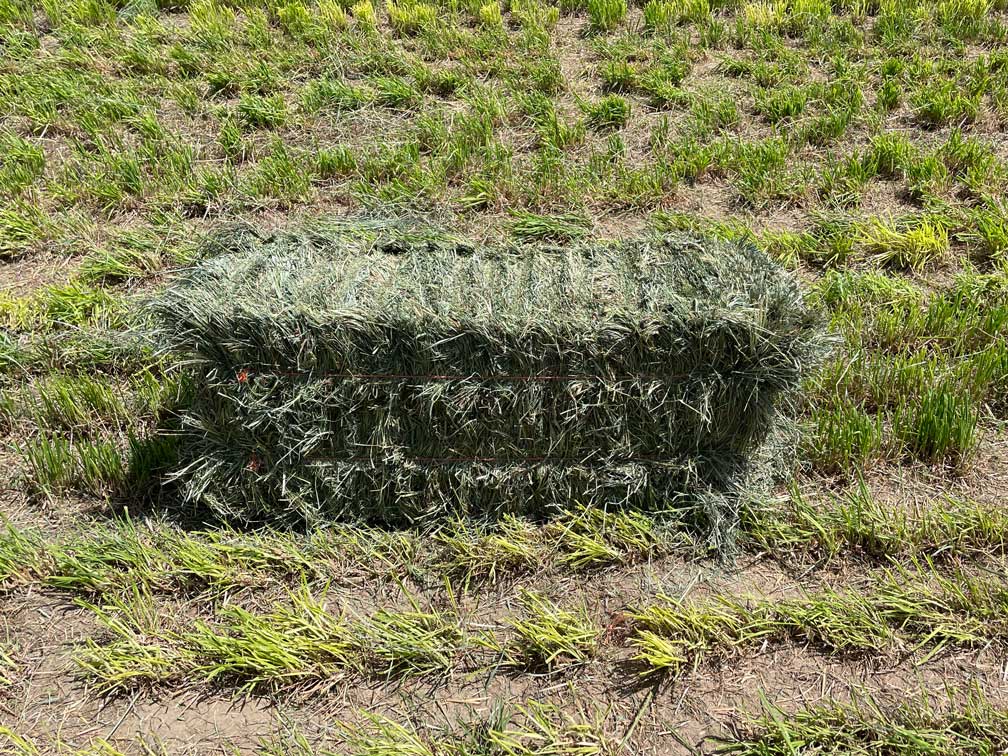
x=386, y=276
x=377, y=298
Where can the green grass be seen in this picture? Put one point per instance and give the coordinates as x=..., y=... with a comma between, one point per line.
x=295, y=641
x=905, y=610
x=21, y=745
x=22, y=228
x=781, y=103
x=254, y=60
x=490, y=554
x=298, y=640
x=107, y=558
x=102, y=560
x=75, y=403
x=408, y=642
x=132, y=255
x=329, y=94
x=19, y=556
x=593, y=538
x=856, y=524
x=548, y=636
x=661, y=17
x=610, y=113
x=944, y=104
x=409, y=18
x=920, y=370
x=74, y=305
x=912, y=247
x=532, y=227
x=942, y=426
x=57, y=465
x=922, y=726
x=844, y=438
x=985, y=232
x=22, y=163
x=522, y=730
x=134, y=655
x=606, y=15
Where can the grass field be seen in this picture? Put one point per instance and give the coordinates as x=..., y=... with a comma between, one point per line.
x=861, y=143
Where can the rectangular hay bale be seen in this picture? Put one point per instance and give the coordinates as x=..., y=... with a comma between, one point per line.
x=372, y=372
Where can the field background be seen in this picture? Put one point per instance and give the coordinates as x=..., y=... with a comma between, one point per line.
x=860, y=143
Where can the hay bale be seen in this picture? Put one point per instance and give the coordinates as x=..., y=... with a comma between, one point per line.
x=367, y=371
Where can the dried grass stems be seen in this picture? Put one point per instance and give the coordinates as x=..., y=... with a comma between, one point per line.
x=393, y=373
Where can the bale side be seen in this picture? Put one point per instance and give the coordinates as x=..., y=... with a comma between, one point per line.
x=370, y=373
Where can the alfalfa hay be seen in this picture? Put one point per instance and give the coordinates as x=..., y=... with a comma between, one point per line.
x=373, y=372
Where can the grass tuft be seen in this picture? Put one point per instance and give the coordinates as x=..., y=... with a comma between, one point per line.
x=607, y=114
x=605, y=15
x=550, y=637
x=911, y=246
x=921, y=726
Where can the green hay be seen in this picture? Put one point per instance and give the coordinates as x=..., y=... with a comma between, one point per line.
x=364, y=370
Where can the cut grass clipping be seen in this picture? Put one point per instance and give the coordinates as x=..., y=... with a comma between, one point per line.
x=368, y=371
x=300, y=639
x=549, y=636
x=914, y=727
x=906, y=610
